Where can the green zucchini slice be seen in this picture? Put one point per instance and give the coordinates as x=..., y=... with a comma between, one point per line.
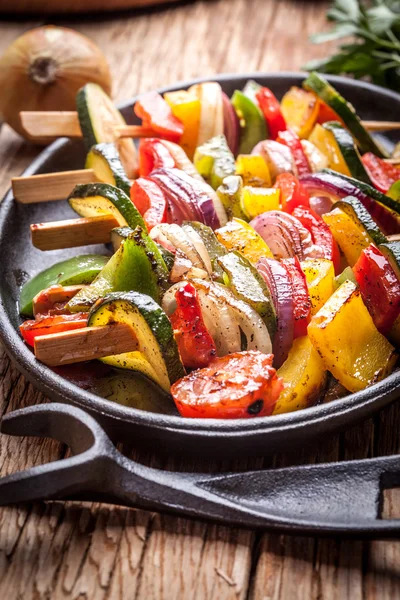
x=74, y=271
x=247, y=285
x=137, y=265
x=98, y=119
x=349, y=151
x=157, y=354
x=359, y=214
x=107, y=166
x=392, y=252
x=95, y=199
x=324, y=90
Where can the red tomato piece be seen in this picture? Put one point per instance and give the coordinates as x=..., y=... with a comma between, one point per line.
x=196, y=346
x=379, y=286
x=46, y=325
x=154, y=155
x=150, y=201
x=292, y=192
x=156, y=114
x=271, y=110
x=239, y=385
x=320, y=233
x=293, y=142
x=301, y=297
x=381, y=173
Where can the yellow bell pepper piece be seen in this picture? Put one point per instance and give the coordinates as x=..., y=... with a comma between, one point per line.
x=348, y=342
x=304, y=376
x=253, y=170
x=255, y=201
x=351, y=238
x=320, y=276
x=186, y=106
x=240, y=236
x=300, y=110
x=325, y=141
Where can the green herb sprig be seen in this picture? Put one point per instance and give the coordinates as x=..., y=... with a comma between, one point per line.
x=375, y=49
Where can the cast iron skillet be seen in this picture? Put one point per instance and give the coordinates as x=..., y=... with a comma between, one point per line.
x=174, y=434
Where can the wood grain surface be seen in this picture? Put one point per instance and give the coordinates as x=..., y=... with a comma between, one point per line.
x=92, y=551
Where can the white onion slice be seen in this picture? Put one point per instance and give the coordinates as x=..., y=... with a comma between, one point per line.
x=219, y=320
x=179, y=239
x=199, y=245
x=181, y=159
x=212, y=110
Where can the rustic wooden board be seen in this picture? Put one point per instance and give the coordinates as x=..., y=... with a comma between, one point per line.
x=94, y=551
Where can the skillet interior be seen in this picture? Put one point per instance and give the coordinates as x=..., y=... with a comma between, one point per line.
x=18, y=260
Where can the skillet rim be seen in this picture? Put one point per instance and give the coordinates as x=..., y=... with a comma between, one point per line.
x=332, y=415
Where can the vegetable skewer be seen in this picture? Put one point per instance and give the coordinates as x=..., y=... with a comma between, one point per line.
x=47, y=124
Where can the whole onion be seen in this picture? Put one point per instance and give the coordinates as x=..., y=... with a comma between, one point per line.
x=43, y=70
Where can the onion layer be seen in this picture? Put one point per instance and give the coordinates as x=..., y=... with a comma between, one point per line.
x=280, y=287
x=284, y=234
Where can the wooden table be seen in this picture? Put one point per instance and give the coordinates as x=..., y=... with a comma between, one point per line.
x=94, y=551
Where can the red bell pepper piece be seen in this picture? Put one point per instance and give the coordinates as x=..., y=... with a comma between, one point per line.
x=379, y=286
x=301, y=297
x=156, y=114
x=239, y=385
x=46, y=325
x=154, y=155
x=271, y=110
x=292, y=192
x=326, y=113
x=320, y=233
x=196, y=346
x=292, y=141
x=381, y=173
x=150, y=201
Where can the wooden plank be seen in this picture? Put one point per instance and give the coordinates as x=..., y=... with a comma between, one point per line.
x=49, y=186
x=72, y=233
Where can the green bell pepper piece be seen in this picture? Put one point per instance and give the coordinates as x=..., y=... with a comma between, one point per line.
x=252, y=122
x=74, y=271
x=136, y=266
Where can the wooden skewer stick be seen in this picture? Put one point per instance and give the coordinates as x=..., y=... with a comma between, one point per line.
x=50, y=186
x=73, y=232
x=84, y=344
x=394, y=238
x=381, y=125
x=55, y=124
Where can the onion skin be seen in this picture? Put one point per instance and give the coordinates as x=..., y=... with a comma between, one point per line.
x=43, y=70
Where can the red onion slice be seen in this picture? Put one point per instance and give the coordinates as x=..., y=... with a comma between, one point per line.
x=231, y=124
x=284, y=234
x=277, y=156
x=189, y=196
x=335, y=187
x=280, y=287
